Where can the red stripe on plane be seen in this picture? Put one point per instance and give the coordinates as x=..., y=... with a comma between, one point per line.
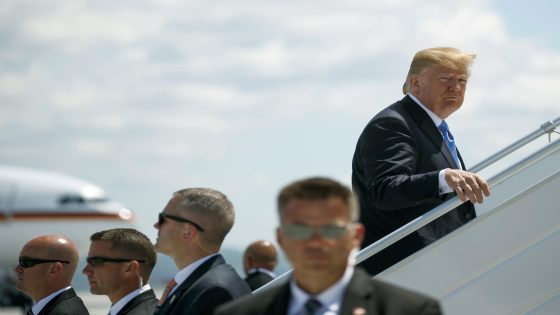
x=34, y=216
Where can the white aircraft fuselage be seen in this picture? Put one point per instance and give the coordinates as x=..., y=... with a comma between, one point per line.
x=34, y=203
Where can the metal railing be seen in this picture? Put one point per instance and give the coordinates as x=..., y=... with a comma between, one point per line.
x=547, y=128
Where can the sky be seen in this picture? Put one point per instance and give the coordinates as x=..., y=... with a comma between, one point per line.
x=147, y=97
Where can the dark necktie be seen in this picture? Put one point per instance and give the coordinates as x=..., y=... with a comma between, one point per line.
x=311, y=306
x=450, y=141
x=29, y=312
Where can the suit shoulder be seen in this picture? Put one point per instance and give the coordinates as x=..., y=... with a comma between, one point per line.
x=257, y=303
x=223, y=276
x=391, y=296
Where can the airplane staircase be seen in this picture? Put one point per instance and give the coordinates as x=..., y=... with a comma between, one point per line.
x=507, y=260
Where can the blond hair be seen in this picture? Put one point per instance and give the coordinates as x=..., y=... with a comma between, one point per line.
x=448, y=57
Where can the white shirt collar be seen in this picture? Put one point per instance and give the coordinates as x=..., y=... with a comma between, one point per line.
x=115, y=308
x=268, y=272
x=435, y=118
x=42, y=302
x=184, y=273
x=331, y=298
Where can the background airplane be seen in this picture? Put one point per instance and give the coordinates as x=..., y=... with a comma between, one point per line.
x=35, y=202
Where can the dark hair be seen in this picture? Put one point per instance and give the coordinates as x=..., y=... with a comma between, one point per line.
x=131, y=243
x=318, y=188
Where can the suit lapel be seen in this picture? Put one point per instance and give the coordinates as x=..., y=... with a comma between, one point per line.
x=137, y=300
x=70, y=293
x=359, y=296
x=192, y=278
x=426, y=124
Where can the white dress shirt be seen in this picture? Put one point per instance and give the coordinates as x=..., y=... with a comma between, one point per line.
x=115, y=308
x=184, y=273
x=331, y=298
x=36, y=309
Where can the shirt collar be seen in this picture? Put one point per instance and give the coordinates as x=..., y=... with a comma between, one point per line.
x=42, y=302
x=330, y=298
x=184, y=273
x=435, y=118
x=268, y=272
x=115, y=308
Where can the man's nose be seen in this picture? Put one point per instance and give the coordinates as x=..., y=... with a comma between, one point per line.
x=454, y=85
x=86, y=270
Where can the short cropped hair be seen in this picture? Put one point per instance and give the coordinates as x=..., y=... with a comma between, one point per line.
x=449, y=57
x=318, y=188
x=131, y=243
x=213, y=210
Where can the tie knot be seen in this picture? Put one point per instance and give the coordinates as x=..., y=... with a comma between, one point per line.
x=311, y=306
x=443, y=126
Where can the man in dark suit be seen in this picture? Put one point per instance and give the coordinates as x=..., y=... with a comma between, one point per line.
x=319, y=234
x=191, y=230
x=259, y=261
x=46, y=267
x=119, y=265
x=406, y=161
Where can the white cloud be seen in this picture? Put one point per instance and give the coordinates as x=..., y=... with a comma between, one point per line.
x=244, y=91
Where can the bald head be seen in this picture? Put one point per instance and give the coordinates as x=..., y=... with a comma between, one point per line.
x=42, y=279
x=260, y=254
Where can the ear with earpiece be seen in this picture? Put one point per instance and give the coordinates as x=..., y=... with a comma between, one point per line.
x=133, y=266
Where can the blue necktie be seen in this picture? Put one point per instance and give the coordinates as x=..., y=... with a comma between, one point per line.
x=450, y=141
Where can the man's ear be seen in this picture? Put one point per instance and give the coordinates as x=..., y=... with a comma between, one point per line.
x=133, y=266
x=359, y=233
x=56, y=267
x=189, y=232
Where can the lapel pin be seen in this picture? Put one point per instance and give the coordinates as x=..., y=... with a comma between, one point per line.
x=359, y=311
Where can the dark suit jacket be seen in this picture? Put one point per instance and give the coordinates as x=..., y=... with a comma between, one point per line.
x=66, y=303
x=143, y=304
x=211, y=284
x=395, y=176
x=257, y=279
x=374, y=296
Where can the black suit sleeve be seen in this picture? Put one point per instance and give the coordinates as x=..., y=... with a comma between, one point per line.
x=390, y=155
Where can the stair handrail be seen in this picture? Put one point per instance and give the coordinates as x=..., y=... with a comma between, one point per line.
x=546, y=128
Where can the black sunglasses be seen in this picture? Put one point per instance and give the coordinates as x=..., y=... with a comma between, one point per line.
x=96, y=261
x=303, y=232
x=28, y=262
x=162, y=216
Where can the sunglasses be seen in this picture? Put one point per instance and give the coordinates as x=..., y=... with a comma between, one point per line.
x=28, y=262
x=162, y=216
x=96, y=261
x=303, y=232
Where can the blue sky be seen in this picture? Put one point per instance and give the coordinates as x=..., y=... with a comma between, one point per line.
x=147, y=97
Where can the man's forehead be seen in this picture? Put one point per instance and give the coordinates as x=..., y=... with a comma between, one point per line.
x=442, y=70
x=31, y=250
x=101, y=246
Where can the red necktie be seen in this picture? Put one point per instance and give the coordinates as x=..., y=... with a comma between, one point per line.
x=170, y=285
